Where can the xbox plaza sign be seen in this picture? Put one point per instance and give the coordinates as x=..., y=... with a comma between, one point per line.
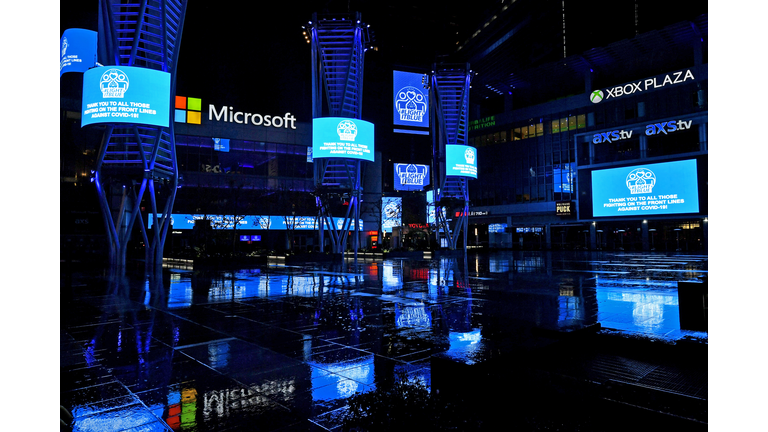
x=656, y=82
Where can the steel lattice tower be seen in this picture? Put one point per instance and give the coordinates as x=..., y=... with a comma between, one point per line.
x=338, y=45
x=450, y=99
x=138, y=161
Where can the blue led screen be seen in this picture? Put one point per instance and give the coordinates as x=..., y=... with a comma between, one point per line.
x=221, y=144
x=460, y=160
x=78, y=50
x=411, y=177
x=410, y=100
x=126, y=94
x=184, y=221
x=661, y=188
x=391, y=213
x=563, y=174
x=339, y=137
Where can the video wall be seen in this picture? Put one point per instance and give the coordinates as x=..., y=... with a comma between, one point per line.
x=460, y=160
x=647, y=189
x=338, y=137
x=410, y=102
x=182, y=221
x=126, y=94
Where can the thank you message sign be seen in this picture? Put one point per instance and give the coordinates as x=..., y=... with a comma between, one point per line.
x=125, y=94
x=339, y=137
x=660, y=188
x=78, y=50
x=460, y=160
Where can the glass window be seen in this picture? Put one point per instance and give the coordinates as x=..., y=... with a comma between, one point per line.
x=539, y=129
x=563, y=124
x=581, y=121
x=572, y=123
x=524, y=131
x=516, y=134
x=555, y=126
x=503, y=136
x=496, y=137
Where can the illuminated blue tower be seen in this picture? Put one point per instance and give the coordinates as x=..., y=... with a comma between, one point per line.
x=338, y=46
x=450, y=99
x=137, y=162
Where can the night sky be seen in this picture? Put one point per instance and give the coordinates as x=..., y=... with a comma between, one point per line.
x=256, y=59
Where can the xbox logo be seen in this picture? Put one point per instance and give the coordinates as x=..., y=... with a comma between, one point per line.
x=596, y=96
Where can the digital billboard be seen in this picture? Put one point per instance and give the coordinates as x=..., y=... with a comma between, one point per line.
x=78, y=50
x=410, y=100
x=651, y=189
x=460, y=160
x=185, y=221
x=391, y=213
x=411, y=177
x=563, y=174
x=339, y=137
x=126, y=94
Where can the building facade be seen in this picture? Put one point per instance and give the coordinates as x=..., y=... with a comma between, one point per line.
x=553, y=139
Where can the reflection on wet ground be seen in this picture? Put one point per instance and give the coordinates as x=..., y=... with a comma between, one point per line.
x=282, y=347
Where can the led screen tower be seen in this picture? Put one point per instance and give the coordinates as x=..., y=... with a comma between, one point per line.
x=454, y=163
x=129, y=94
x=340, y=140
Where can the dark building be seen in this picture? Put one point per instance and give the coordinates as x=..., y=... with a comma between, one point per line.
x=546, y=142
x=531, y=118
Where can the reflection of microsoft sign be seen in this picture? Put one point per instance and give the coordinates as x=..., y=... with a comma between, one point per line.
x=642, y=85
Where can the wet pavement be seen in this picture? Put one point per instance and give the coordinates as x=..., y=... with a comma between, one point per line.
x=282, y=347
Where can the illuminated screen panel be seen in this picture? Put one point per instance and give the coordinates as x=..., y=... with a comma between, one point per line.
x=126, y=94
x=410, y=100
x=460, y=160
x=411, y=177
x=78, y=50
x=563, y=174
x=183, y=221
x=338, y=137
x=662, y=188
x=391, y=213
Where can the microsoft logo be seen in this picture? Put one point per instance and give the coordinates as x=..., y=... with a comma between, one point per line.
x=188, y=110
x=596, y=96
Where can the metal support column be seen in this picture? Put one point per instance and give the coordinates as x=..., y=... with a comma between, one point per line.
x=138, y=161
x=450, y=98
x=338, y=42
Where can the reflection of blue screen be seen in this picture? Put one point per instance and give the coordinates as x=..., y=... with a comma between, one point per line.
x=125, y=94
x=77, y=48
x=337, y=137
x=662, y=188
x=410, y=100
x=460, y=160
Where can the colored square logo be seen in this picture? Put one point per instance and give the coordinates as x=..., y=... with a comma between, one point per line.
x=188, y=110
x=193, y=117
x=194, y=104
